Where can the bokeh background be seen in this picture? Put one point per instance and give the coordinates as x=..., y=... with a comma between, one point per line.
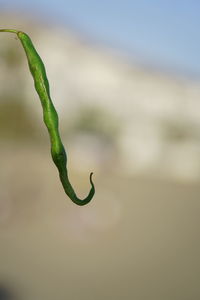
x=125, y=79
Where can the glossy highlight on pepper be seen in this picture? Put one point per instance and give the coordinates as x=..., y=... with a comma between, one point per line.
x=50, y=116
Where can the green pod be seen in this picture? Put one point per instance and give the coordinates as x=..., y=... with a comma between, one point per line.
x=50, y=116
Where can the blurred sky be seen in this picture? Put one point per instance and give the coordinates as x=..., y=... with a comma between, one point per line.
x=157, y=32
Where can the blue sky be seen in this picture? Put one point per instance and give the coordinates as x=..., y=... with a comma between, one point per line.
x=161, y=33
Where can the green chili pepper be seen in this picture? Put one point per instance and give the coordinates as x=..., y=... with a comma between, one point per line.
x=50, y=116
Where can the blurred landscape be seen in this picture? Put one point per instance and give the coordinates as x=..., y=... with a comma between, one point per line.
x=138, y=129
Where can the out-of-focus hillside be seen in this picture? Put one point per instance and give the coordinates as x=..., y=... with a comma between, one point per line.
x=140, y=119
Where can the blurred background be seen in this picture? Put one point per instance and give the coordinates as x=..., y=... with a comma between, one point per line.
x=125, y=79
